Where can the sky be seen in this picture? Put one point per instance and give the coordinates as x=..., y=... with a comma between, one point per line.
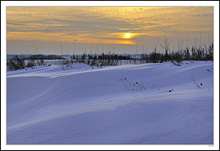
x=77, y=30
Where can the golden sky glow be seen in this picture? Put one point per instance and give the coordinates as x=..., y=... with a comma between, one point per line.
x=107, y=25
x=127, y=35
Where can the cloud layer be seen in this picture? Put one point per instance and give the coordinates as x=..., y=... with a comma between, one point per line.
x=106, y=25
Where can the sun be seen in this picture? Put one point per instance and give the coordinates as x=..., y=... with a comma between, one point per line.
x=127, y=35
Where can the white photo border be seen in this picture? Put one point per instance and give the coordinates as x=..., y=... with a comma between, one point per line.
x=4, y=4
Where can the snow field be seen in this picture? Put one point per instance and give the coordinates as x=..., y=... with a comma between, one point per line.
x=48, y=105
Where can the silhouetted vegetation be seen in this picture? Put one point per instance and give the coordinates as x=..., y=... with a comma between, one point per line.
x=45, y=57
x=30, y=63
x=16, y=63
x=110, y=59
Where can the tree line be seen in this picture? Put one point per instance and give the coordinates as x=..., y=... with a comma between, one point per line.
x=111, y=59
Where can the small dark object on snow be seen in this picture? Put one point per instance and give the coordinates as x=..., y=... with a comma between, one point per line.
x=125, y=78
x=171, y=90
x=136, y=82
x=201, y=84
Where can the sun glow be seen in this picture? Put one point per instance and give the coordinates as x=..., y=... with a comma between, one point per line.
x=127, y=35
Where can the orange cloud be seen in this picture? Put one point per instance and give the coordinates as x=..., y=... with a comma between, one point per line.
x=104, y=24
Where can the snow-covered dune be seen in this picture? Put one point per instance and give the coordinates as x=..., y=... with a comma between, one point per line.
x=128, y=104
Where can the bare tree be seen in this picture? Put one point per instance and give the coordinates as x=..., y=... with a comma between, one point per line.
x=166, y=46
